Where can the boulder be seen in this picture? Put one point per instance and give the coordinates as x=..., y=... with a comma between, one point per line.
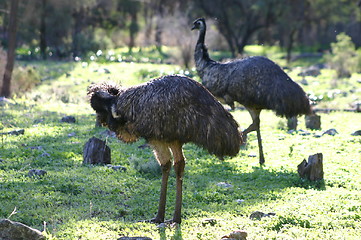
x=10, y=230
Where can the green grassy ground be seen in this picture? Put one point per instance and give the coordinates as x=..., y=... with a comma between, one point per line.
x=74, y=201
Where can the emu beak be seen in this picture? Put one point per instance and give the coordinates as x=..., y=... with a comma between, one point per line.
x=194, y=27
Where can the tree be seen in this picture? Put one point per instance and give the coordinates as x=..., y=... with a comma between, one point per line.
x=239, y=20
x=343, y=58
x=43, y=43
x=5, y=91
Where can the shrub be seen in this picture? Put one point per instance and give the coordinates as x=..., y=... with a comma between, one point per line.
x=24, y=79
x=342, y=57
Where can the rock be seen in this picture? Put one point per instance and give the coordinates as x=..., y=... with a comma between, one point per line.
x=236, y=235
x=224, y=185
x=240, y=201
x=96, y=152
x=313, y=121
x=15, y=132
x=257, y=215
x=108, y=133
x=144, y=146
x=72, y=134
x=313, y=169
x=304, y=132
x=331, y=132
x=313, y=71
x=209, y=221
x=356, y=106
x=134, y=238
x=304, y=81
x=37, y=173
x=117, y=168
x=68, y=119
x=4, y=100
x=357, y=133
x=10, y=230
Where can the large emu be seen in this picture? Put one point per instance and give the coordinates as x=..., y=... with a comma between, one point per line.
x=167, y=112
x=255, y=82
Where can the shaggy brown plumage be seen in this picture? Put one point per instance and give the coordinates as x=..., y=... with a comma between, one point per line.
x=255, y=82
x=168, y=112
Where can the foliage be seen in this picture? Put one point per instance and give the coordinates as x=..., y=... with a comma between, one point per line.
x=342, y=58
x=102, y=24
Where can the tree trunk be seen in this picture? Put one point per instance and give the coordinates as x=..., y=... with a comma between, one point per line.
x=78, y=16
x=158, y=35
x=313, y=169
x=291, y=39
x=133, y=29
x=96, y=152
x=43, y=43
x=5, y=91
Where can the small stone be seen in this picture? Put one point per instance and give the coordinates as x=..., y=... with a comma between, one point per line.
x=304, y=132
x=134, y=238
x=224, y=185
x=108, y=133
x=72, y=134
x=117, y=168
x=161, y=225
x=257, y=215
x=15, y=132
x=317, y=135
x=209, y=221
x=252, y=155
x=45, y=154
x=68, y=119
x=37, y=173
x=240, y=201
x=236, y=235
x=357, y=133
x=331, y=132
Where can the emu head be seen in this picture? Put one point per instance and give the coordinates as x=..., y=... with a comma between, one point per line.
x=103, y=99
x=199, y=24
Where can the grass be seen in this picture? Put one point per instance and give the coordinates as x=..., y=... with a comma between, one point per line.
x=76, y=201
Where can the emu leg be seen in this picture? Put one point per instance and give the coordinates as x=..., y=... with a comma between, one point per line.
x=179, y=164
x=163, y=156
x=255, y=126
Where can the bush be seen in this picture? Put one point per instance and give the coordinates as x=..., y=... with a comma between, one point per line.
x=342, y=57
x=24, y=79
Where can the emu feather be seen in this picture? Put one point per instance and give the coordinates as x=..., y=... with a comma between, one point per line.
x=168, y=112
x=255, y=82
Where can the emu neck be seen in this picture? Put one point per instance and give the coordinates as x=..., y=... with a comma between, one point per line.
x=202, y=35
x=201, y=55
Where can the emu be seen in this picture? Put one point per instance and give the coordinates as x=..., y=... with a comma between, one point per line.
x=167, y=112
x=255, y=82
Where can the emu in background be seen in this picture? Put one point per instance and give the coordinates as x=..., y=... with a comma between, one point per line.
x=255, y=82
x=168, y=112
